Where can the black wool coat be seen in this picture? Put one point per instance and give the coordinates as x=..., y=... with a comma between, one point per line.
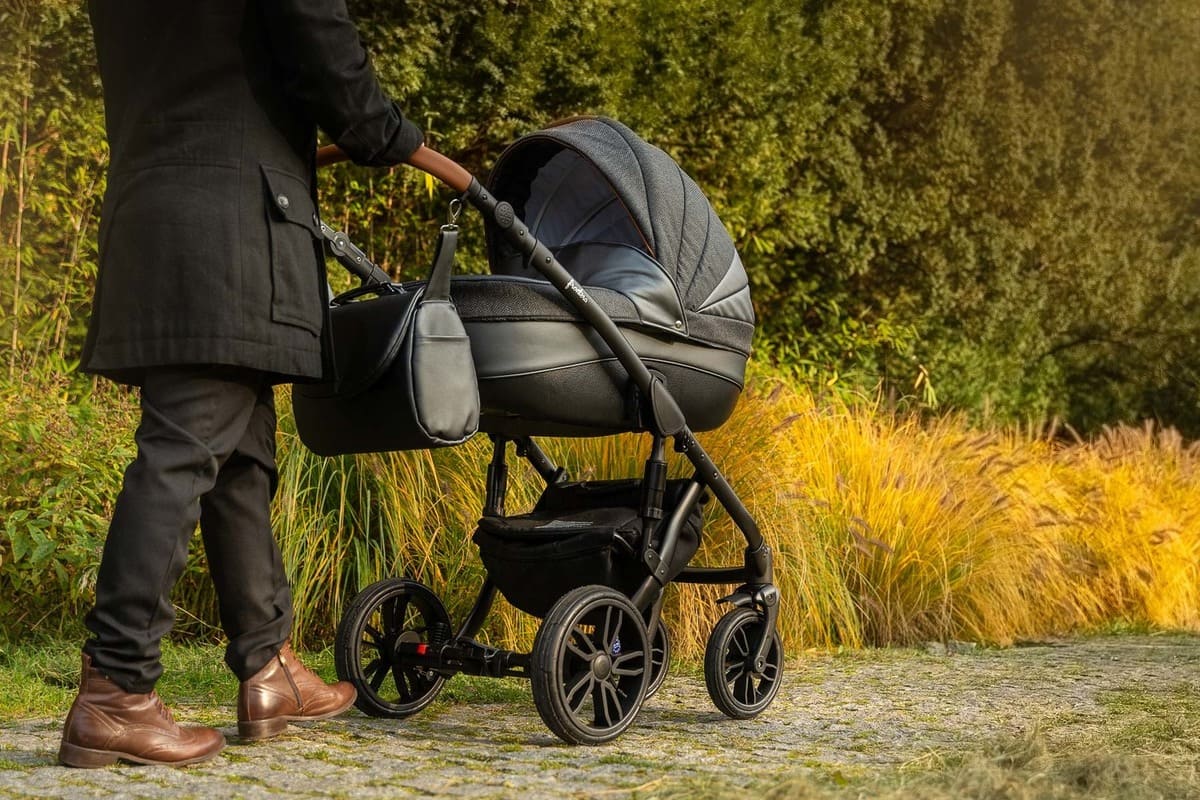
x=209, y=236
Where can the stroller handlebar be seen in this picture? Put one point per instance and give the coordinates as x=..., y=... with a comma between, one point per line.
x=424, y=159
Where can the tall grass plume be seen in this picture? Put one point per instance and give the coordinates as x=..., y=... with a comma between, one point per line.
x=886, y=528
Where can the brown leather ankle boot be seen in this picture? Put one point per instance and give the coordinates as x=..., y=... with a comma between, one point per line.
x=287, y=691
x=107, y=724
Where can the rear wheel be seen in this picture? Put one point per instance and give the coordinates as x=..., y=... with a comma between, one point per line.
x=660, y=657
x=376, y=640
x=590, y=665
x=737, y=687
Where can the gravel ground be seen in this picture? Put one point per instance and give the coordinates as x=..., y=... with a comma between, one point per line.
x=856, y=712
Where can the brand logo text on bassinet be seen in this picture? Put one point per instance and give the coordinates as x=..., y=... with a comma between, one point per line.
x=577, y=290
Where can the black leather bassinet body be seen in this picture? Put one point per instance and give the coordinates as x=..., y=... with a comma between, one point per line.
x=637, y=233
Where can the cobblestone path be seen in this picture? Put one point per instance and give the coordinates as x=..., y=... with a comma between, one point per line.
x=847, y=712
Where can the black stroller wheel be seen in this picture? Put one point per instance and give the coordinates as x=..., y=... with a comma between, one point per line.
x=385, y=624
x=590, y=665
x=736, y=688
x=660, y=657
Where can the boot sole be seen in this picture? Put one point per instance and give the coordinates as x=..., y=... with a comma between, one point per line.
x=72, y=755
x=255, y=730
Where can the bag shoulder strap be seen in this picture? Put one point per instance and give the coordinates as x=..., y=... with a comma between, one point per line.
x=438, y=286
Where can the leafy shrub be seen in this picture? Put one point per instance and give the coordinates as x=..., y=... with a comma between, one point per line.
x=887, y=528
x=64, y=449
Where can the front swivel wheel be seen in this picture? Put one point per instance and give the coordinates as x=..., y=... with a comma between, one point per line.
x=590, y=665
x=739, y=687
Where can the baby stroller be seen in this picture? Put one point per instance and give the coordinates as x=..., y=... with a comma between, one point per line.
x=617, y=302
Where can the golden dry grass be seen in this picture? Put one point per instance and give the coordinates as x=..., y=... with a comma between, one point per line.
x=887, y=528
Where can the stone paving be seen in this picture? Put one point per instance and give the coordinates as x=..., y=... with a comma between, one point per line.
x=853, y=712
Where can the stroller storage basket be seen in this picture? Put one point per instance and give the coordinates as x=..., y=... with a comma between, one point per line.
x=577, y=534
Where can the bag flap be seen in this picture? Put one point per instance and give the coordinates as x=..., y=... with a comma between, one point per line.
x=367, y=336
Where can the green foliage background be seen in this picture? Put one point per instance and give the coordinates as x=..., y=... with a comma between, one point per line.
x=992, y=206
x=994, y=202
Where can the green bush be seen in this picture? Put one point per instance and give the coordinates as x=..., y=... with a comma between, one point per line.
x=987, y=204
x=64, y=449
x=994, y=198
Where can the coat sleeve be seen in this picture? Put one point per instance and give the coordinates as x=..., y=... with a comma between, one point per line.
x=327, y=71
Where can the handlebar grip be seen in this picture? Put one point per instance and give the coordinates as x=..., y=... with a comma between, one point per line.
x=439, y=166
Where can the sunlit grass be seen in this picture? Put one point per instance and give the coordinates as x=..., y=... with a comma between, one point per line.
x=887, y=528
x=40, y=679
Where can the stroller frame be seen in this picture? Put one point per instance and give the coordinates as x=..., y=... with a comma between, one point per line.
x=745, y=643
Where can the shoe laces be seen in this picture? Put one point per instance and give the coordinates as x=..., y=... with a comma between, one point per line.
x=163, y=711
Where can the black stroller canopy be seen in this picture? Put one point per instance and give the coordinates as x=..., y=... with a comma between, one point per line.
x=620, y=213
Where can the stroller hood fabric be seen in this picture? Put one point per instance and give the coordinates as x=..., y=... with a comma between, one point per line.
x=620, y=213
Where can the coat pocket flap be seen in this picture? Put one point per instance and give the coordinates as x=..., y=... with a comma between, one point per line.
x=290, y=198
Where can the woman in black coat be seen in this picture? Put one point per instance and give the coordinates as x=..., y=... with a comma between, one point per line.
x=211, y=290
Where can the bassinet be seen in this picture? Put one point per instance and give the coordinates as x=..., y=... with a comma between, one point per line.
x=640, y=237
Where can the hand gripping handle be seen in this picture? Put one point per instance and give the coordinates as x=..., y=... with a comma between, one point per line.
x=424, y=159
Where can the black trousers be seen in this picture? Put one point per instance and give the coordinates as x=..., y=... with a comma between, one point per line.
x=205, y=453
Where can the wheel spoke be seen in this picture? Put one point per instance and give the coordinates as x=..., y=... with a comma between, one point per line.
x=610, y=630
x=381, y=671
x=373, y=632
x=395, y=619
x=401, y=685
x=416, y=682
x=620, y=661
x=576, y=694
x=387, y=615
x=573, y=644
x=741, y=641
x=734, y=670
x=608, y=704
x=745, y=689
